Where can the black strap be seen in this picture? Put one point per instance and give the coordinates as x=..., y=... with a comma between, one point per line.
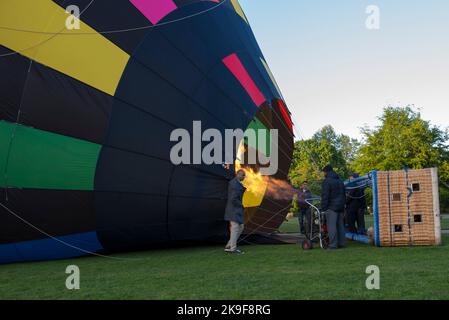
x=389, y=210
x=408, y=208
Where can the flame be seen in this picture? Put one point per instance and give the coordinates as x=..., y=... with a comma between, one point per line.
x=258, y=186
x=270, y=187
x=255, y=182
x=280, y=190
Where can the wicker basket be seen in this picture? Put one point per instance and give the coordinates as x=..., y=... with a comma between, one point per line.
x=406, y=208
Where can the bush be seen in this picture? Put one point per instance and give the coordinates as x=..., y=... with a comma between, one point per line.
x=444, y=200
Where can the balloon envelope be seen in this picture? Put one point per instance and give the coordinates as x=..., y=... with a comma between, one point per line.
x=86, y=116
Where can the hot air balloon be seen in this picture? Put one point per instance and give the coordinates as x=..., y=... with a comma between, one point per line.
x=86, y=115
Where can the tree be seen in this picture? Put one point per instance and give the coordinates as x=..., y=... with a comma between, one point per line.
x=325, y=147
x=444, y=185
x=404, y=139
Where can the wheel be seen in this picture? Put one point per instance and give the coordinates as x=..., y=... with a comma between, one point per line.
x=307, y=227
x=307, y=245
x=311, y=225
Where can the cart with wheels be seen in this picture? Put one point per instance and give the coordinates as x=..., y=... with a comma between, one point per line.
x=315, y=226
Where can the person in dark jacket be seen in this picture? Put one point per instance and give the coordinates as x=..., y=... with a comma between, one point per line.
x=333, y=199
x=234, y=211
x=304, y=209
x=353, y=206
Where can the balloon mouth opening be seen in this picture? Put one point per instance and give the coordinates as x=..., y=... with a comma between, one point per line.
x=268, y=198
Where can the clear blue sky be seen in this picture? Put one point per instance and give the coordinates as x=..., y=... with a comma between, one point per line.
x=333, y=70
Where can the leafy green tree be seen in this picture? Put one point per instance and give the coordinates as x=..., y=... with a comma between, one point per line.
x=404, y=139
x=325, y=147
x=444, y=185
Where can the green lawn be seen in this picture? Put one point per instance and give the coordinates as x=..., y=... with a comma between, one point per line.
x=292, y=225
x=445, y=223
x=264, y=272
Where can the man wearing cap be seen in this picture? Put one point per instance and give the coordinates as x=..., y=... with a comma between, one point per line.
x=354, y=207
x=333, y=199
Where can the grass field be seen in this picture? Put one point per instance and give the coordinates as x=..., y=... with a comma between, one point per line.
x=264, y=272
x=293, y=225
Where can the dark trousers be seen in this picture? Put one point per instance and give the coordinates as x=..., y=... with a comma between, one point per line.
x=351, y=217
x=336, y=229
x=361, y=229
x=305, y=219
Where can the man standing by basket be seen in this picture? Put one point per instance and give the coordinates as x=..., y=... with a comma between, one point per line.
x=333, y=199
x=356, y=207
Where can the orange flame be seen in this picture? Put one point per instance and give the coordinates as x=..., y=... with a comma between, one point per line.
x=280, y=190
x=255, y=182
x=273, y=188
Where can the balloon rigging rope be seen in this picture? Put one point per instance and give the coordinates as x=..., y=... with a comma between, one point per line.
x=116, y=258
x=122, y=30
x=119, y=31
x=55, y=238
x=44, y=41
x=259, y=226
x=87, y=252
x=164, y=23
x=265, y=223
x=54, y=34
x=14, y=131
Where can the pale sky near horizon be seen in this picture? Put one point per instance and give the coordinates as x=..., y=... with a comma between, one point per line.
x=333, y=70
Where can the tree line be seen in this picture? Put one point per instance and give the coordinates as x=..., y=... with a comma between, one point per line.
x=402, y=139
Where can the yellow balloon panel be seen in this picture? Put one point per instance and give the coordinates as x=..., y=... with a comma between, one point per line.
x=254, y=199
x=37, y=29
x=239, y=10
